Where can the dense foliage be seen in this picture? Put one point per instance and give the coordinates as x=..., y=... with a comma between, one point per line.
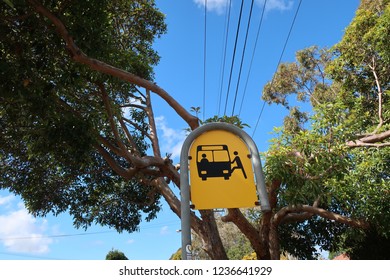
x=338, y=157
x=116, y=255
x=53, y=110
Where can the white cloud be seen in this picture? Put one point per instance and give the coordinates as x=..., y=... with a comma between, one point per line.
x=164, y=230
x=171, y=140
x=219, y=6
x=22, y=233
x=98, y=243
x=130, y=241
x=279, y=5
x=6, y=200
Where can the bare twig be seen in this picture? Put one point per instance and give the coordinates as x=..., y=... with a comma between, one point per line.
x=129, y=138
x=110, y=114
x=143, y=132
x=380, y=94
x=133, y=106
x=152, y=125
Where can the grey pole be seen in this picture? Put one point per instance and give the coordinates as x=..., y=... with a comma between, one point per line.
x=186, y=249
x=184, y=178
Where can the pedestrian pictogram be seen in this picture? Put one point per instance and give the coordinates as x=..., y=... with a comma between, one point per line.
x=237, y=160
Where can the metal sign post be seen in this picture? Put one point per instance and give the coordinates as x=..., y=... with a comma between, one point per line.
x=225, y=172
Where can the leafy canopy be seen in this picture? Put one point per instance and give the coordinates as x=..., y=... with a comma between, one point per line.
x=52, y=113
x=114, y=254
x=338, y=157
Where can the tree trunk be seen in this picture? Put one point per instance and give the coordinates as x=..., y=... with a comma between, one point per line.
x=265, y=224
x=212, y=242
x=268, y=237
x=235, y=216
x=274, y=247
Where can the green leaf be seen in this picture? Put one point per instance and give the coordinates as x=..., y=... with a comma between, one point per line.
x=9, y=3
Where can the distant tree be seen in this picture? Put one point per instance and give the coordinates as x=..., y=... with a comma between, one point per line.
x=234, y=241
x=176, y=256
x=227, y=119
x=116, y=255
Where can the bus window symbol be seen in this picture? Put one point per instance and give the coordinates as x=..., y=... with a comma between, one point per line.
x=215, y=161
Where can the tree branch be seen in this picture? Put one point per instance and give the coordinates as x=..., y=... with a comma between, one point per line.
x=278, y=217
x=130, y=139
x=152, y=125
x=380, y=94
x=212, y=242
x=299, y=217
x=144, y=133
x=107, y=105
x=124, y=173
x=133, y=106
x=371, y=140
x=235, y=216
x=174, y=203
x=356, y=144
x=97, y=65
x=110, y=146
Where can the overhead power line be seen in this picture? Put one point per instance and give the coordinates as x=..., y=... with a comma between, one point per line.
x=277, y=66
x=55, y=236
x=253, y=55
x=23, y=256
x=242, y=56
x=153, y=226
x=226, y=35
x=234, y=55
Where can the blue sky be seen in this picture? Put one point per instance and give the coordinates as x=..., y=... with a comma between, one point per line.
x=181, y=73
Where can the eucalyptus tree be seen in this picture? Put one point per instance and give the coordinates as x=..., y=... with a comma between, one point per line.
x=114, y=254
x=333, y=165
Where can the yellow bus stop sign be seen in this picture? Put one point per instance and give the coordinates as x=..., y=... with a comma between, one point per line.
x=221, y=172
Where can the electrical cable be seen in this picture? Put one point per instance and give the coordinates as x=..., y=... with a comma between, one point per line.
x=226, y=35
x=234, y=55
x=277, y=66
x=242, y=56
x=157, y=225
x=56, y=236
x=28, y=256
x=253, y=55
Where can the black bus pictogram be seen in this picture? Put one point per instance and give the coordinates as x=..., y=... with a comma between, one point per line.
x=215, y=161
